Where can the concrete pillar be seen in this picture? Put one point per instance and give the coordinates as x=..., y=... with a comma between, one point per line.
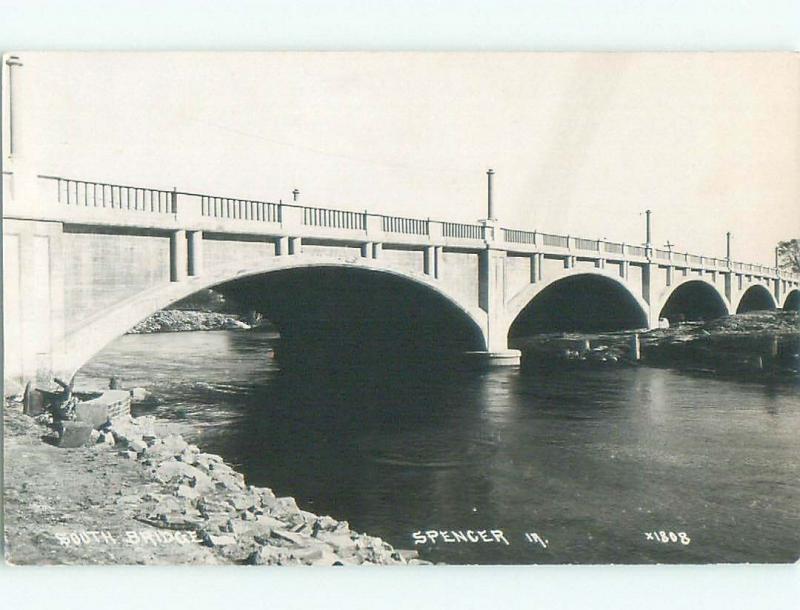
x=623, y=269
x=429, y=263
x=282, y=246
x=535, y=264
x=648, y=290
x=777, y=292
x=670, y=274
x=600, y=263
x=491, y=295
x=177, y=256
x=729, y=287
x=366, y=249
x=195, y=252
x=437, y=261
x=295, y=245
x=377, y=248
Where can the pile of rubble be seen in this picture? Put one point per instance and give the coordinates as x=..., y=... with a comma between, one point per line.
x=197, y=492
x=177, y=321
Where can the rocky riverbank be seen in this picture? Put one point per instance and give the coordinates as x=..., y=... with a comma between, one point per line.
x=762, y=344
x=139, y=493
x=174, y=320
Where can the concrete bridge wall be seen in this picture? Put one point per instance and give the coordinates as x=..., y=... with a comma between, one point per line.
x=83, y=262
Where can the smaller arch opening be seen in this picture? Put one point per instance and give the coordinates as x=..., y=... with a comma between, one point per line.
x=580, y=303
x=693, y=301
x=792, y=302
x=755, y=298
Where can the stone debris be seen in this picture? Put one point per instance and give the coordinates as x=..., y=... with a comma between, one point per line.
x=198, y=491
x=173, y=320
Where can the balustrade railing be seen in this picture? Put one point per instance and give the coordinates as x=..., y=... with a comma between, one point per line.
x=406, y=226
x=82, y=193
x=587, y=244
x=334, y=219
x=118, y=196
x=461, y=230
x=516, y=236
x=556, y=241
x=242, y=209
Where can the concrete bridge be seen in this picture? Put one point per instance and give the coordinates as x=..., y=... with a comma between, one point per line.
x=84, y=261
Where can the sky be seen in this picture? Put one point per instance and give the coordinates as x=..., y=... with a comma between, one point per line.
x=581, y=143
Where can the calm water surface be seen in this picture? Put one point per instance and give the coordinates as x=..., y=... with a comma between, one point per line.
x=588, y=460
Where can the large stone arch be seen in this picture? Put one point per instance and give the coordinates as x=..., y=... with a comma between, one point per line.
x=516, y=305
x=755, y=297
x=792, y=301
x=712, y=290
x=99, y=330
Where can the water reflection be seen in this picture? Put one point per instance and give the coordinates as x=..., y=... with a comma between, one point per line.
x=590, y=459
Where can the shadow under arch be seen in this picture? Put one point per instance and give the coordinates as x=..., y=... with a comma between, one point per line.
x=756, y=298
x=330, y=317
x=792, y=302
x=693, y=300
x=99, y=330
x=580, y=302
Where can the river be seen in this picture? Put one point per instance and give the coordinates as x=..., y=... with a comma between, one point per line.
x=574, y=466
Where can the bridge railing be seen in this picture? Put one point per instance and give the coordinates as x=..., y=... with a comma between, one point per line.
x=334, y=219
x=116, y=196
x=587, y=244
x=89, y=194
x=462, y=230
x=405, y=226
x=555, y=241
x=613, y=247
x=517, y=236
x=239, y=209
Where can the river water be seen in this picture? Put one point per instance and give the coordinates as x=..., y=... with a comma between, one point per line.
x=574, y=466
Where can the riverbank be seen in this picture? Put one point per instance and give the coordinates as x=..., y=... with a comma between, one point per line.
x=759, y=344
x=175, y=320
x=141, y=494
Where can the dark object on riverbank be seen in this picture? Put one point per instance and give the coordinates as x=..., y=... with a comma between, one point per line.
x=760, y=345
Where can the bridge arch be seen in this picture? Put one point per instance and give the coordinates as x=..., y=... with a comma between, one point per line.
x=691, y=298
x=577, y=300
x=792, y=301
x=756, y=298
x=96, y=332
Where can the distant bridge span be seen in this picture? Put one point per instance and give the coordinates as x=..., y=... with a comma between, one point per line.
x=84, y=261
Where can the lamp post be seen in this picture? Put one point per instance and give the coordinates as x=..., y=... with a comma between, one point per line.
x=649, y=240
x=490, y=201
x=12, y=62
x=728, y=245
x=295, y=195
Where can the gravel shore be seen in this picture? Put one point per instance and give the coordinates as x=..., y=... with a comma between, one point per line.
x=141, y=494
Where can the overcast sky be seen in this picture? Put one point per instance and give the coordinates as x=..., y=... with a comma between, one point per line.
x=581, y=144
